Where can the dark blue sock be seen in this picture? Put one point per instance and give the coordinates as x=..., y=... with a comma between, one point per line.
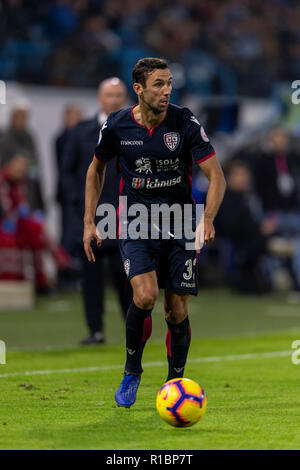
x=138, y=330
x=178, y=344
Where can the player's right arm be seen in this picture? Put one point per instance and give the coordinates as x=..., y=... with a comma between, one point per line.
x=94, y=184
x=104, y=152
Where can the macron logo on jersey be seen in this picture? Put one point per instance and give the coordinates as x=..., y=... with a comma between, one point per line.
x=132, y=142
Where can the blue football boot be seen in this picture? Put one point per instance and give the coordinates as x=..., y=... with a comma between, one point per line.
x=126, y=393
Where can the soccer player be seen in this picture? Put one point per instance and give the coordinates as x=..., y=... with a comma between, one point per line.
x=155, y=142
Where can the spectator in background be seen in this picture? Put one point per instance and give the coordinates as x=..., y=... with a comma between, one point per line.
x=276, y=184
x=86, y=54
x=240, y=221
x=72, y=116
x=22, y=230
x=76, y=160
x=63, y=17
x=277, y=166
x=17, y=138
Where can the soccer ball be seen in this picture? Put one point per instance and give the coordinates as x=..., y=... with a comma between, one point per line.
x=181, y=402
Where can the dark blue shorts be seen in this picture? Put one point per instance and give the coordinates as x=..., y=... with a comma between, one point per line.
x=176, y=267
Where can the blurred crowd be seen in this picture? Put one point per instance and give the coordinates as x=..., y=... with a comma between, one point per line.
x=24, y=238
x=257, y=249
x=259, y=221
x=216, y=47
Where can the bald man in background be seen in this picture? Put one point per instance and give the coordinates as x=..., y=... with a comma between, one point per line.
x=112, y=96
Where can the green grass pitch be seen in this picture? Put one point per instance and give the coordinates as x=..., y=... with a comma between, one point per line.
x=54, y=395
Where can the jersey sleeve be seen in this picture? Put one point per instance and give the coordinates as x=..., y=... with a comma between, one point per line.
x=106, y=149
x=197, y=140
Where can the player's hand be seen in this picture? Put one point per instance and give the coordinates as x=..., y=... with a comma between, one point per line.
x=205, y=232
x=90, y=233
x=209, y=230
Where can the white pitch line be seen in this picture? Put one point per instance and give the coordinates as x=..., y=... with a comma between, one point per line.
x=43, y=348
x=237, y=357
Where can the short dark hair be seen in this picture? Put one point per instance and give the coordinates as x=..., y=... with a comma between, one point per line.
x=146, y=66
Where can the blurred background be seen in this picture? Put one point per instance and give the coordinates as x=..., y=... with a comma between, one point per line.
x=233, y=63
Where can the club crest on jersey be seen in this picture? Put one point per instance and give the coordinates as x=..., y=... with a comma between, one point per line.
x=172, y=140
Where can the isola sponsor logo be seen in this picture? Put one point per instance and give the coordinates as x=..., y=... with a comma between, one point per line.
x=143, y=164
x=149, y=183
x=168, y=164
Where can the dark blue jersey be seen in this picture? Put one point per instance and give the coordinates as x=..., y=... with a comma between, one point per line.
x=155, y=165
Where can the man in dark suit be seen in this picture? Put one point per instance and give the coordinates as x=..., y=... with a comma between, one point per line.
x=79, y=152
x=72, y=116
x=276, y=175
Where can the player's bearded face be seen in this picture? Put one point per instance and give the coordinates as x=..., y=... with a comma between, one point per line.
x=156, y=94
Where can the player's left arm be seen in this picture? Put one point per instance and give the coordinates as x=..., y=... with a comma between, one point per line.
x=212, y=169
x=205, y=156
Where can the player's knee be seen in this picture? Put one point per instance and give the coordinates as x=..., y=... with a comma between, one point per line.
x=146, y=299
x=176, y=313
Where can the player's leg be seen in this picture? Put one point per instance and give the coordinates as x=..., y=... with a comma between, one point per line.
x=138, y=321
x=181, y=280
x=121, y=285
x=138, y=330
x=93, y=296
x=179, y=333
